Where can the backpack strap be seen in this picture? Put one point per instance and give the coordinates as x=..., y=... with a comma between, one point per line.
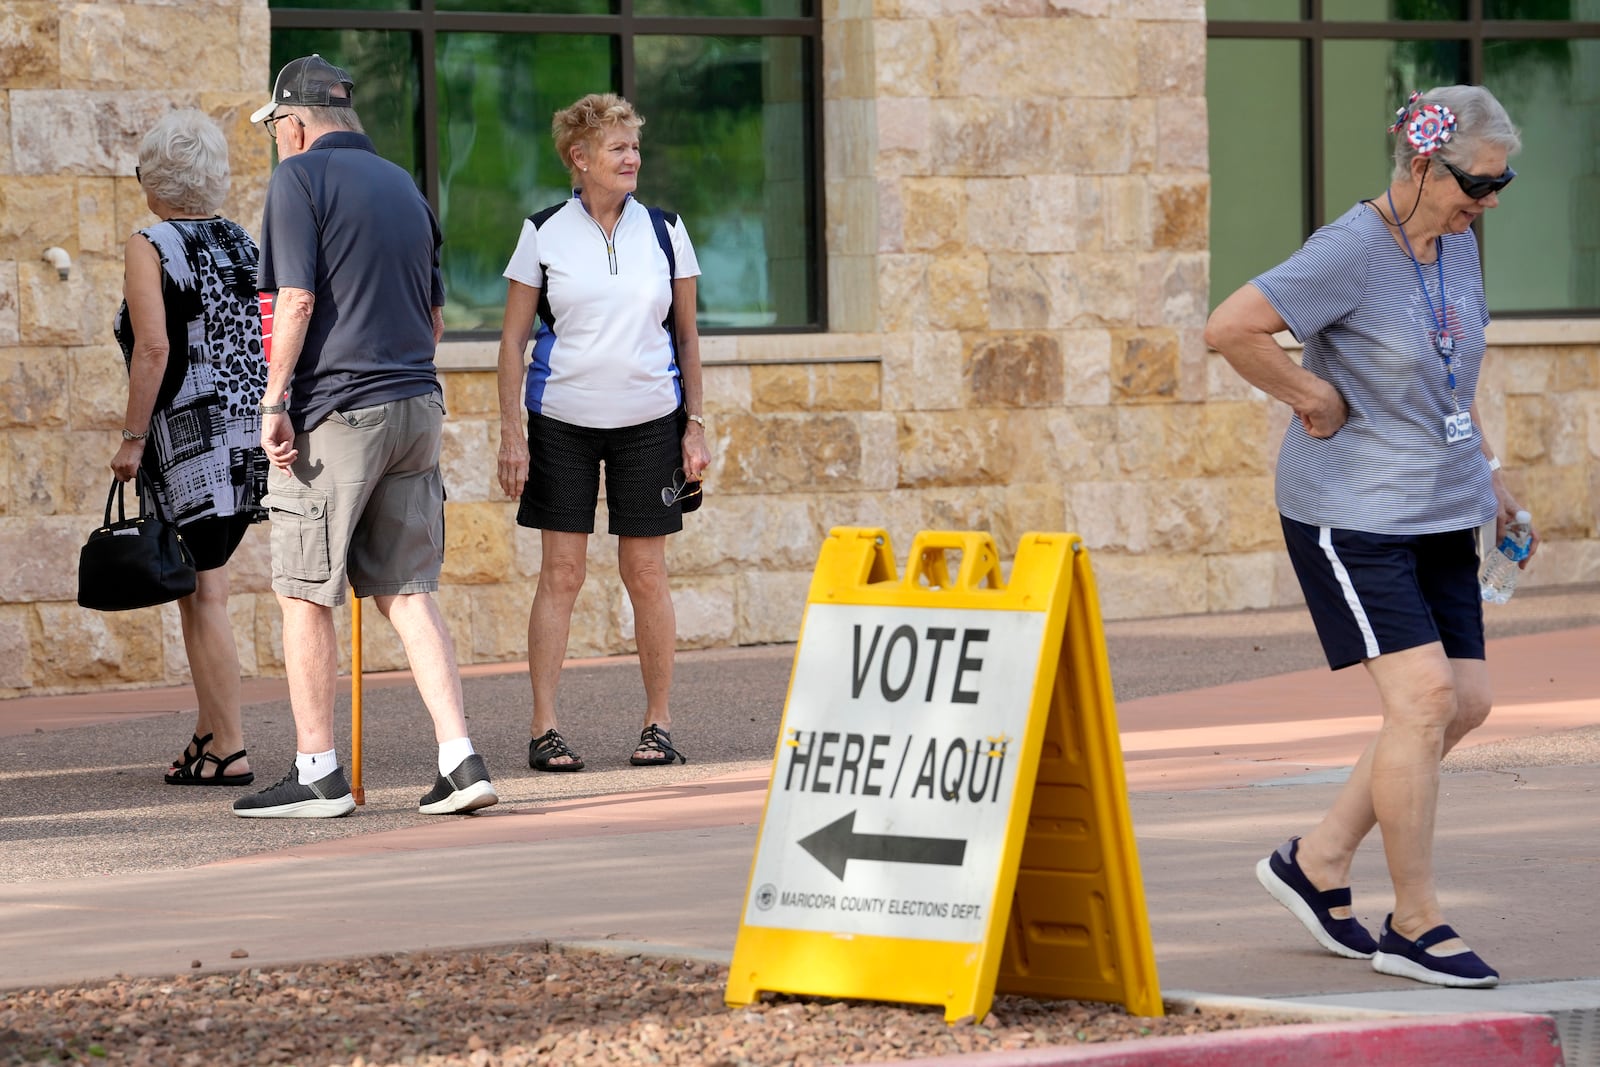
x=660, y=220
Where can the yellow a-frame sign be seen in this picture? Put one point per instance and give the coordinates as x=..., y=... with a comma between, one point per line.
x=947, y=810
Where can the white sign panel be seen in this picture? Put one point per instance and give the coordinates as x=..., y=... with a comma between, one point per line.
x=897, y=771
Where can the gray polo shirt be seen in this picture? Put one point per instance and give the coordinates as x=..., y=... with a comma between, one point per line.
x=349, y=226
x=1354, y=299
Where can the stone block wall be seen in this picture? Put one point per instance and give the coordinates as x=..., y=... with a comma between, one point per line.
x=80, y=85
x=1017, y=232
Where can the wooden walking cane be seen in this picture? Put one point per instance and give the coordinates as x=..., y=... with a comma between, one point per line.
x=356, y=791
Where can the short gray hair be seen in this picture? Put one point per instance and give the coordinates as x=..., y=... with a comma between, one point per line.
x=1480, y=121
x=183, y=162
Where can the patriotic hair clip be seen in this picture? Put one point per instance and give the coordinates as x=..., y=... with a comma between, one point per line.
x=1428, y=129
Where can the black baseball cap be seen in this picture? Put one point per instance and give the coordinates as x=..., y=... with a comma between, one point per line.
x=308, y=82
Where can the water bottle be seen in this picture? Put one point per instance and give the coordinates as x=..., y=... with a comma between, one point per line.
x=1498, y=579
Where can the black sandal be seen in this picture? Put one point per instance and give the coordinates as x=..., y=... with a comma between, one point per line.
x=653, y=740
x=189, y=773
x=197, y=743
x=551, y=745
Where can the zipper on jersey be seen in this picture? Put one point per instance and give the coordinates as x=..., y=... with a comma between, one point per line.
x=611, y=248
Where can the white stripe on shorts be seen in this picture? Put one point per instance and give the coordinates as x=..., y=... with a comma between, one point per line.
x=1325, y=539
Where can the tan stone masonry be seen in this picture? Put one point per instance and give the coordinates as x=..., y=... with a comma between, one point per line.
x=1017, y=226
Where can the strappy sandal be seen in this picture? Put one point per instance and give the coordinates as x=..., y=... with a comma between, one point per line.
x=655, y=748
x=198, y=744
x=189, y=773
x=549, y=746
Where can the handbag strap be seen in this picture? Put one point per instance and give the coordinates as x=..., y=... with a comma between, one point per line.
x=116, y=495
x=148, y=501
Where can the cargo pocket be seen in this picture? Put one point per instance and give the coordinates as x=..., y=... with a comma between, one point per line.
x=300, y=533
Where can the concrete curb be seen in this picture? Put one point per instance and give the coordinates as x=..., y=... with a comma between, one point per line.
x=1180, y=1000
x=1480, y=1040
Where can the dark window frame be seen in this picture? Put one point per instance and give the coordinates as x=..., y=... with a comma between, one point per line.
x=426, y=21
x=1314, y=29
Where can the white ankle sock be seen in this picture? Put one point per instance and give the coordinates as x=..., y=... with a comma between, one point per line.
x=314, y=766
x=452, y=752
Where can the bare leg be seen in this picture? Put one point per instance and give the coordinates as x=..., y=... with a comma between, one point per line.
x=311, y=660
x=643, y=563
x=432, y=655
x=561, y=576
x=214, y=664
x=1430, y=704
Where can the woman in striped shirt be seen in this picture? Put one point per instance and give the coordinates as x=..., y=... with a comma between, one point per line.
x=1383, y=478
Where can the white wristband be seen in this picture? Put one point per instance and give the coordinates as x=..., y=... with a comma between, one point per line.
x=1494, y=463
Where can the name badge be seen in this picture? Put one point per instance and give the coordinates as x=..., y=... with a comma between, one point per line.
x=1458, y=427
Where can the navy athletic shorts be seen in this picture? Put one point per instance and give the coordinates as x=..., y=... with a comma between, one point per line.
x=1370, y=594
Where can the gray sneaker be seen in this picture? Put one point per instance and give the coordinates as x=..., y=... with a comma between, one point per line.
x=326, y=798
x=464, y=789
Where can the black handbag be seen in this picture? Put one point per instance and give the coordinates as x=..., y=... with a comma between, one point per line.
x=134, y=563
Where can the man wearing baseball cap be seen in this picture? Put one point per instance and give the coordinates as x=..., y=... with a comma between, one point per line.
x=308, y=82
x=352, y=422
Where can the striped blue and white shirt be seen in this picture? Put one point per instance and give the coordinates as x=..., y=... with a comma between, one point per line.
x=1352, y=297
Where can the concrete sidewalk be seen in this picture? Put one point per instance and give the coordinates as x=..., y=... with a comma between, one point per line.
x=95, y=880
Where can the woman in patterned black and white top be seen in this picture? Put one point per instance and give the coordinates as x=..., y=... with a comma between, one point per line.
x=1382, y=481
x=190, y=331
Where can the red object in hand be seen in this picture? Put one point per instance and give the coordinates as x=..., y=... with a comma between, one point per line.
x=266, y=325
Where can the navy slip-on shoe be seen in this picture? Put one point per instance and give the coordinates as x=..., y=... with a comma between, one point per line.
x=1404, y=958
x=1281, y=876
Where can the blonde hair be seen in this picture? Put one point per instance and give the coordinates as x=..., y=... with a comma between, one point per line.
x=584, y=121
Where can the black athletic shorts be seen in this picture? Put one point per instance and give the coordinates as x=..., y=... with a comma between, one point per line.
x=563, y=485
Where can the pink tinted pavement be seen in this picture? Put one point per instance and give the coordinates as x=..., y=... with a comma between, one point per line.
x=1216, y=776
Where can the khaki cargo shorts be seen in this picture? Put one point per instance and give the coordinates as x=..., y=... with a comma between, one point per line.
x=363, y=506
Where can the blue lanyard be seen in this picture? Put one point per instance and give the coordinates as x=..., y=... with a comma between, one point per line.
x=1442, y=341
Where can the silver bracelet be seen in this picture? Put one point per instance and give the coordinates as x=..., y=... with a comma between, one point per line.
x=1494, y=464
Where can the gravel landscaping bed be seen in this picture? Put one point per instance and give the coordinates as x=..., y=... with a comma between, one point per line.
x=516, y=1006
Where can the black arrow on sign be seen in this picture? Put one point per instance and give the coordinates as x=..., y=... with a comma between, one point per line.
x=836, y=844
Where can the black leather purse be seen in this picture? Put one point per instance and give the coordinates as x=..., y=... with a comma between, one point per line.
x=134, y=563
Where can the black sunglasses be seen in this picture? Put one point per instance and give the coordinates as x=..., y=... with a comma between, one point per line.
x=136, y=175
x=680, y=489
x=1479, y=186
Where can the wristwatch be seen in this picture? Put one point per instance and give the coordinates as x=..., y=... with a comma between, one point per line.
x=699, y=419
x=129, y=435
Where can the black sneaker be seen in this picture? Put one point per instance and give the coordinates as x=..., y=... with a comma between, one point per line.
x=464, y=789
x=326, y=798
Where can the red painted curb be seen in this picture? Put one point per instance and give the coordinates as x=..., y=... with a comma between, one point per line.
x=1476, y=1040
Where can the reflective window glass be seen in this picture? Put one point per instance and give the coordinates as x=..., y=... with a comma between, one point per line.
x=352, y=5
x=497, y=161
x=1252, y=10
x=1254, y=95
x=731, y=142
x=1542, y=10
x=1394, y=10
x=727, y=146
x=532, y=7
x=1542, y=243
x=771, y=8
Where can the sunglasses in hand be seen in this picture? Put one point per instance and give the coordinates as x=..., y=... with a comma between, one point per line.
x=681, y=489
